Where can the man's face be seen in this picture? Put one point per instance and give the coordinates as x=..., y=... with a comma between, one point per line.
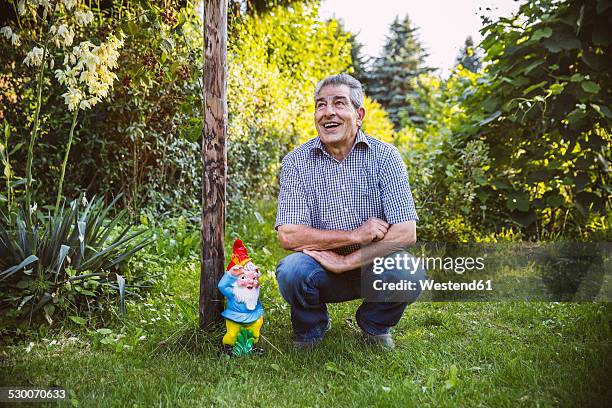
x=336, y=119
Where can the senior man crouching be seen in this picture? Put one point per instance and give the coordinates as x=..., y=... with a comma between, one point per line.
x=344, y=200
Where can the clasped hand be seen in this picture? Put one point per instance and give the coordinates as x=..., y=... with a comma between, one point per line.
x=374, y=229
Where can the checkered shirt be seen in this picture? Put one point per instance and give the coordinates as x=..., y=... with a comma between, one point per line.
x=319, y=191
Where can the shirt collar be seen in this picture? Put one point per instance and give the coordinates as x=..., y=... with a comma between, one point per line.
x=361, y=138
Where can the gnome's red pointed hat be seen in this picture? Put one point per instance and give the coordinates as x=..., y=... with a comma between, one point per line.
x=239, y=255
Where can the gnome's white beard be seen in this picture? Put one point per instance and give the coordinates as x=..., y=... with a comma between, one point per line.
x=246, y=296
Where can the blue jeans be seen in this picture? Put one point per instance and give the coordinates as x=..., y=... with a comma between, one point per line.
x=307, y=287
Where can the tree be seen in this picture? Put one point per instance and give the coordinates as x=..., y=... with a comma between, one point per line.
x=468, y=57
x=358, y=61
x=391, y=79
x=543, y=111
x=214, y=159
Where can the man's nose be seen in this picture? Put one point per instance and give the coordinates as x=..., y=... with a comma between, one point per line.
x=329, y=110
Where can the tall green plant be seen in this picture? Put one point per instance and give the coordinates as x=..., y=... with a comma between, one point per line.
x=89, y=78
x=391, y=79
x=87, y=72
x=543, y=110
x=41, y=264
x=275, y=61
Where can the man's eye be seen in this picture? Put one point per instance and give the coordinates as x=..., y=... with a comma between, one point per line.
x=340, y=103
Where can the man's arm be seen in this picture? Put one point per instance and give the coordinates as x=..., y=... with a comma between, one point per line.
x=398, y=237
x=298, y=237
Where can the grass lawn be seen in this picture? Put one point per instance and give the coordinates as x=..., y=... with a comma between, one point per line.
x=448, y=354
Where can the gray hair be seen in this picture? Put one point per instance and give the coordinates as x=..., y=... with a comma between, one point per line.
x=356, y=89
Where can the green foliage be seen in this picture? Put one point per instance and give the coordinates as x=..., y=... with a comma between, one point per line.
x=468, y=57
x=358, y=68
x=149, y=136
x=444, y=175
x=376, y=122
x=271, y=78
x=244, y=343
x=66, y=262
x=391, y=78
x=146, y=139
x=542, y=111
x=524, y=145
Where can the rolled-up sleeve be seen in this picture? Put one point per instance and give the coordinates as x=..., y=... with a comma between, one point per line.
x=292, y=199
x=398, y=204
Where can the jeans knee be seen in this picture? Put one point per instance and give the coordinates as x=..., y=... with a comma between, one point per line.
x=409, y=274
x=293, y=272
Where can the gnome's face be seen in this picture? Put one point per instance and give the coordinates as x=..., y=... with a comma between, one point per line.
x=246, y=288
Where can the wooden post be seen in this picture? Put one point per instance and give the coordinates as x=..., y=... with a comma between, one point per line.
x=214, y=160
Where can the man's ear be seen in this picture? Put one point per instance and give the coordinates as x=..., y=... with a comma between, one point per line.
x=360, y=115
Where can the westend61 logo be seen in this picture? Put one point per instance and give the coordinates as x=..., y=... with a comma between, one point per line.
x=401, y=272
x=523, y=271
x=406, y=261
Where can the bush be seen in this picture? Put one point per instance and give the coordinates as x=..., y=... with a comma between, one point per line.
x=275, y=60
x=64, y=264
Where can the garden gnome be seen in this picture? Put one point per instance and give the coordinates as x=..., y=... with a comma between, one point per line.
x=243, y=313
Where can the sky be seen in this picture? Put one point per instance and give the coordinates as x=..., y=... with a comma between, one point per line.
x=443, y=24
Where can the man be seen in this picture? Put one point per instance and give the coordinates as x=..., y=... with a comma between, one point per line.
x=344, y=200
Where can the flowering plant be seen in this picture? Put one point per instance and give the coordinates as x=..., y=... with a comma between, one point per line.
x=87, y=71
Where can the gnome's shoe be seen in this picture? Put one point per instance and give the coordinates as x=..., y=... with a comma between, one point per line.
x=258, y=351
x=227, y=350
x=382, y=341
x=309, y=344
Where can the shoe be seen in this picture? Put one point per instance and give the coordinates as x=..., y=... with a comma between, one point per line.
x=258, y=351
x=226, y=350
x=229, y=351
x=309, y=344
x=384, y=341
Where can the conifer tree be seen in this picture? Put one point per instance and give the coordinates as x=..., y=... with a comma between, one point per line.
x=468, y=57
x=391, y=80
x=358, y=60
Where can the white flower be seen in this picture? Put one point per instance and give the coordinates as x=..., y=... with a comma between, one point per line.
x=90, y=59
x=7, y=32
x=34, y=57
x=64, y=35
x=62, y=30
x=68, y=38
x=61, y=76
x=84, y=104
x=84, y=17
x=69, y=3
x=15, y=40
x=87, y=72
x=73, y=98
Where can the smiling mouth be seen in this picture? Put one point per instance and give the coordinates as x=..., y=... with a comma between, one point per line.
x=331, y=125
